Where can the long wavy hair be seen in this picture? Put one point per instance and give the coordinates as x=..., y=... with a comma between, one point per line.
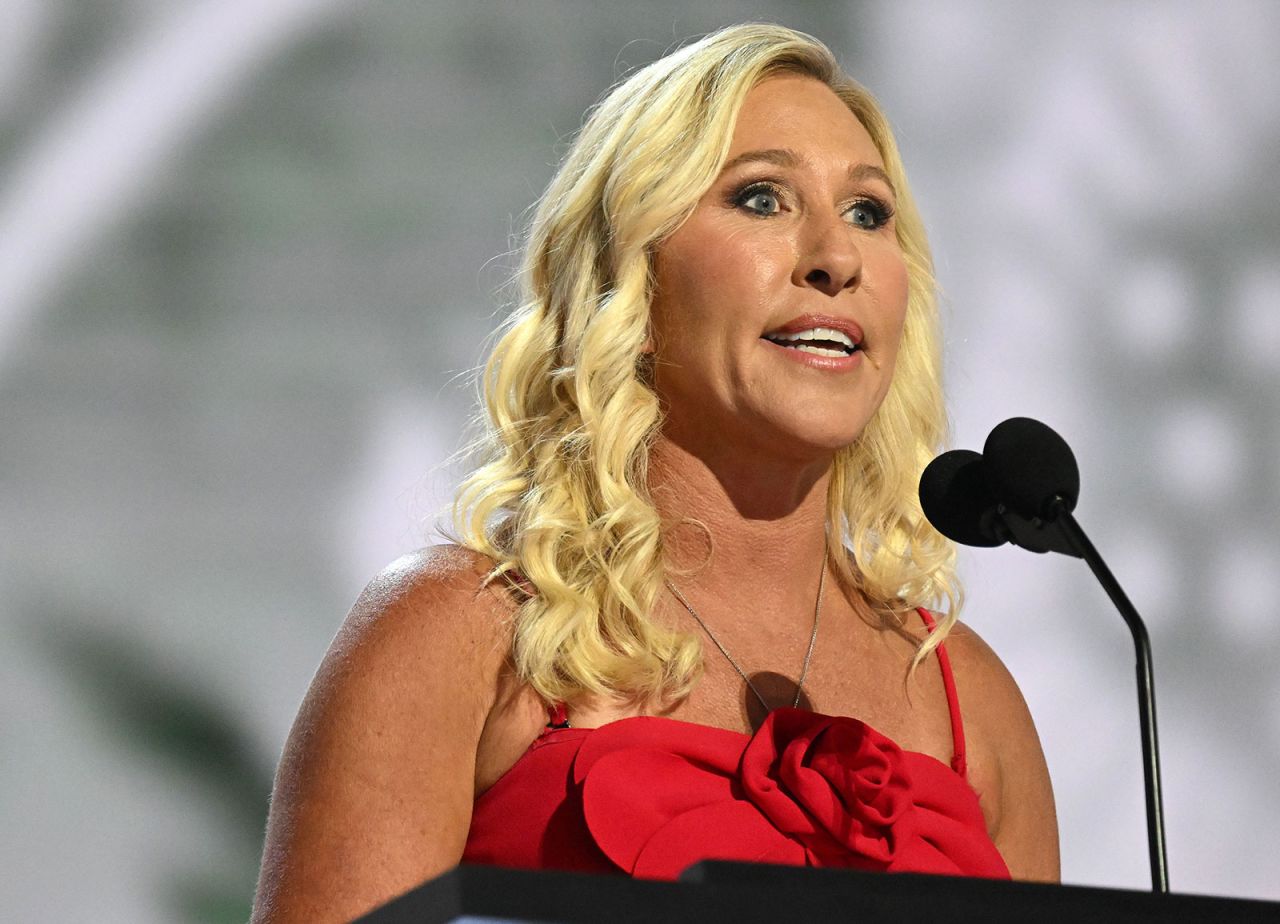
x=559, y=499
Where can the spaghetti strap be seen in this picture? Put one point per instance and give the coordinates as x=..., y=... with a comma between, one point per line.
x=959, y=763
x=557, y=716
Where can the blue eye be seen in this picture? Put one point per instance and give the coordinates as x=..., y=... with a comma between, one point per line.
x=759, y=192
x=764, y=200
x=869, y=214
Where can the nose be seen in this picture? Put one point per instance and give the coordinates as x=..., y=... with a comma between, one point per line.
x=831, y=261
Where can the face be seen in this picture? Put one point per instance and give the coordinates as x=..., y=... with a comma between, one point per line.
x=779, y=303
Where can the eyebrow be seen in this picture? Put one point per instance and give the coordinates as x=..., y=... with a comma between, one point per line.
x=785, y=157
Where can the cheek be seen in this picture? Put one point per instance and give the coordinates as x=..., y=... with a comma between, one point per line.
x=704, y=285
x=890, y=297
x=894, y=285
x=677, y=285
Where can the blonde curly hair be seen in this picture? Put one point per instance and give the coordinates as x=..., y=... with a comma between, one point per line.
x=560, y=498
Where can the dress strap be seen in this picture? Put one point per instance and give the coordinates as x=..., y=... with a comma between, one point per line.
x=558, y=716
x=958, y=761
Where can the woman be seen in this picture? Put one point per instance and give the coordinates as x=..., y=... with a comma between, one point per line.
x=706, y=424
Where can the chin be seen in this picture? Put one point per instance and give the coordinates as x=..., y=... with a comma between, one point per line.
x=836, y=442
x=815, y=441
x=824, y=422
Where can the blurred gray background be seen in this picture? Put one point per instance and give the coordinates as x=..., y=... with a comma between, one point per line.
x=248, y=248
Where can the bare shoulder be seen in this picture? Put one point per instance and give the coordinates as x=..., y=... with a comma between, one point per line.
x=989, y=687
x=429, y=632
x=430, y=598
x=374, y=790
x=1006, y=756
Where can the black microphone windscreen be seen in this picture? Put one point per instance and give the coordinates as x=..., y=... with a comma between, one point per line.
x=956, y=499
x=1028, y=465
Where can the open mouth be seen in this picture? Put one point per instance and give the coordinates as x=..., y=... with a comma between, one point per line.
x=820, y=341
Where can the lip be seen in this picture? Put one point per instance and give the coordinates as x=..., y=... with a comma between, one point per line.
x=814, y=361
x=828, y=363
x=808, y=321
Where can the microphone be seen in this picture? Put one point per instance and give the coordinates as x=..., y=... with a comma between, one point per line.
x=957, y=498
x=1030, y=468
x=1022, y=489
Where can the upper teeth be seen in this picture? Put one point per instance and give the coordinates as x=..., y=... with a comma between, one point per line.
x=815, y=333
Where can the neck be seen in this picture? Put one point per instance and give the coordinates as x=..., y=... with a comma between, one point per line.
x=761, y=519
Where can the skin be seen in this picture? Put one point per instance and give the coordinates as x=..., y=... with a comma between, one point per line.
x=415, y=710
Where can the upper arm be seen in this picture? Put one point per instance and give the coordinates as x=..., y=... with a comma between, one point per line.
x=1000, y=727
x=374, y=790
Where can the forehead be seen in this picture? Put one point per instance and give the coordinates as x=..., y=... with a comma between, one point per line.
x=803, y=114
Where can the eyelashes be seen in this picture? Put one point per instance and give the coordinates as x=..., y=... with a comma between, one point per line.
x=872, y=212
x=741, y=197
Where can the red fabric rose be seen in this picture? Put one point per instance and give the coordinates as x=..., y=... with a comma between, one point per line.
x=807, y=789
x=834, y=784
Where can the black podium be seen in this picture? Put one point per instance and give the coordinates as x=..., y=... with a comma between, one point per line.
x=745, y=893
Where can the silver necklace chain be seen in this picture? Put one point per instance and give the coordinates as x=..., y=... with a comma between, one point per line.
x=808, y=655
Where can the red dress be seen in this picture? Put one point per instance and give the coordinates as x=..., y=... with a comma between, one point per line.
x=649, y=796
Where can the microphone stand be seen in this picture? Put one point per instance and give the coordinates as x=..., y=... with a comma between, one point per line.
x=1060, y=513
